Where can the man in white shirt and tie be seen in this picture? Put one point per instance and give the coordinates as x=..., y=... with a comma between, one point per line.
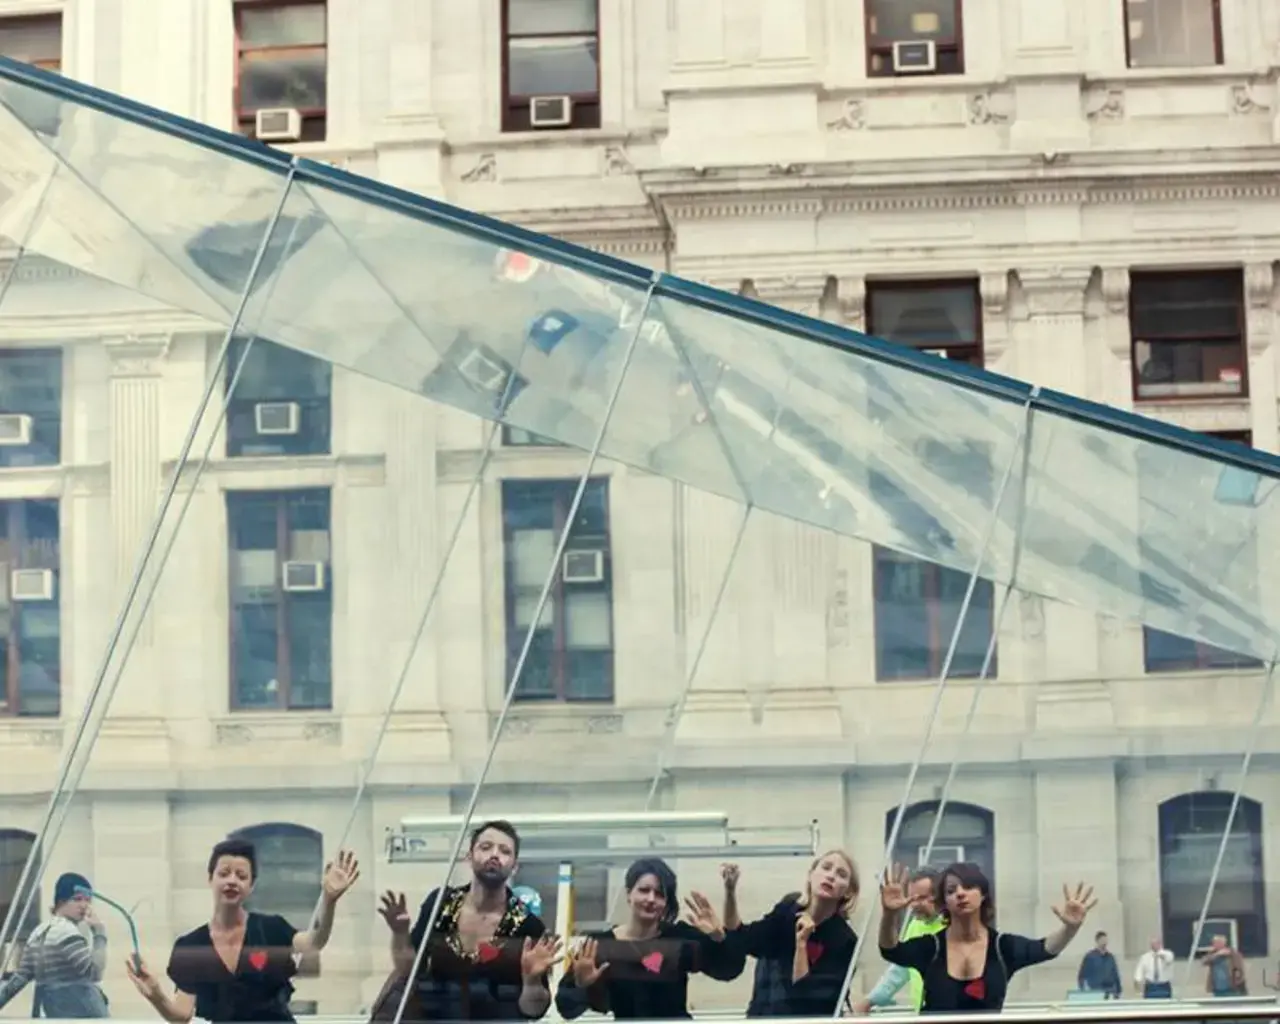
x=1154, y=975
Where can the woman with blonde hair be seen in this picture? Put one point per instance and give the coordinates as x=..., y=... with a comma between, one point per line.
x=804, y=945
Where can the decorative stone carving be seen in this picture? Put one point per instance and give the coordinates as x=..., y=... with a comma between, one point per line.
x=327, y=733
x=852, y=295
x=134, y=355
x=1245, y=101
x=616, y=162
x=1055, y=291
x=982, y=110
x=485, y=170
x=786, y=170
x=1259, y=284
x=232, y=735
x=1105, y=105
x=1115, y=289
x=853, y=119
x=604, y=724
x=994, y=287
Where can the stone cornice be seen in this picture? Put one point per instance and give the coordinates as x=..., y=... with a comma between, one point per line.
x=73, y=327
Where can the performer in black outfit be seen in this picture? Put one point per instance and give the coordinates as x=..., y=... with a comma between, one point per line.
x=967, y=965
x=804, y=945
x=239, y=966
x=640, y=970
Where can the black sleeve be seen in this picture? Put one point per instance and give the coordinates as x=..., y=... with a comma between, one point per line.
x=180, y=968
x=532, y=927
x=721, y=959
x=419, y=931
x=1020, y=951
x=916, y=953
x=278, y=931
x=760, y=938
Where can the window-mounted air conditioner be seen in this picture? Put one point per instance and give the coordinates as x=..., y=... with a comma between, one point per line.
x=939, y=856
x=15, y=429
x=485, y=373
x=941, y=353
x=276, y=417
x=303, y=577
x=550, y=112
x=277, y=124
x=915, y=57
x=1224, y=926
x=31, y=584
x=583, y=566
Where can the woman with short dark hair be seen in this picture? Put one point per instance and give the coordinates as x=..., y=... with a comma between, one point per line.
x=640, y=969
x=967, y=965
x=239, y=966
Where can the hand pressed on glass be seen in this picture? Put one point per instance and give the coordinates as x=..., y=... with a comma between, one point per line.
x=1075, y=905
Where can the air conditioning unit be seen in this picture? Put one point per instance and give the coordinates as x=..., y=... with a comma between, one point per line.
x=915, y=57
x=550, y=111
x=482, y=371
x=1213, y=926
x=15, y=429
x=276, y=417
x=583, y=566
x=939, y=856
x=303, y=577
x=277, y=124
x=31, y=584
x=941, y=353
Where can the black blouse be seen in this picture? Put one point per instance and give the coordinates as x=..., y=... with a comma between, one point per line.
x=260, y=987
x=649, y=979
x=772, y=941
x=1006, y=955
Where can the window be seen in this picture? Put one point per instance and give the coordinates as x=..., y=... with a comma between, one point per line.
x=33, y=40
x=516, y=437
x=30, y=622
x=281, y=404
x=1168, y=652
x=281, y=62
x=1188, y=334
x=914, y=37
x=943, y=318
x=551, y=48
x=15, y=847
x=1173, y=33
x=30, y=407
x=290, y=870
x=572, y=653
x=967, y=833
x=917, y=606
x=281, y=599
x=1191, y=830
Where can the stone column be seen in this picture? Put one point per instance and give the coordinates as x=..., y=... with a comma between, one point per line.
x=410, y=138
x=1260, y=298
x=700, y=34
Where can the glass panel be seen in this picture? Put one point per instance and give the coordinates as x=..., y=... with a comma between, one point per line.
x=1172, y=33
x=283, y=78
x=926, y=317
x=892, y=20
x=296, y=24
x=553, y=67
x=550, y=17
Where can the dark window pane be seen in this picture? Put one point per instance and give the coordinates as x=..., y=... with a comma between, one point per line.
x=35, y=40
x=254, y=521
x=257, y=668
x=15, y=849
x=292, y=25
x=272, y=372
x=552, y=67
x=551, y=17
x=283, y=78
x=1172, y=33
x=927, y=317
x=889, y=21
x=310, y=620
x=307, y=511
x=31, y=386
x=1166, y=652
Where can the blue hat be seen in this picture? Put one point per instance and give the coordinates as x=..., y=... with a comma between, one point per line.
x=69, y=886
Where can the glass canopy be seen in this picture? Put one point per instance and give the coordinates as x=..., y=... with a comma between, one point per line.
x=762, y=412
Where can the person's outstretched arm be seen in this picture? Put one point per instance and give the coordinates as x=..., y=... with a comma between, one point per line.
x=20, y=978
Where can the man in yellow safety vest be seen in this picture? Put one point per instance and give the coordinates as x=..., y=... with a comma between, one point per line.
x=926, y=919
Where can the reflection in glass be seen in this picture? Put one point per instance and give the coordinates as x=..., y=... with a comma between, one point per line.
x=1173, y=33
x=36, y=39
x=30, y=407
x=281, y=599
x=571, y=657
x=551, y=17
x=290, y=867
x=942, y=318
x=281, y=402
x=967, y=832
x=553, y=67
x=30, y=598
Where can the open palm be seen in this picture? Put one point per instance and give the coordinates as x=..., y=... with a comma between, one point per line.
x=340, y=875
x=1075, y=905
x=702, y=915
x=895, y=891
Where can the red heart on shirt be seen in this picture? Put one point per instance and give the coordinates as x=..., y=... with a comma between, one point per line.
x=652, y=963
x=487, y=952
x=258, y=960
x=976, y=989
x=814, y=950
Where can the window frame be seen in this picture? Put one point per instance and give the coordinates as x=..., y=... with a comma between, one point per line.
x=1136, y=279
x=953, y=809
x=15, y=531
x=512, y=104
x=871, y=50
x=514, y=635
x=246, y=125
x=309, y=963
x=1218, y=55
x=55, y=17
x=7, y=899
x=284, y=653
x=1251, y=927
x=974, y=352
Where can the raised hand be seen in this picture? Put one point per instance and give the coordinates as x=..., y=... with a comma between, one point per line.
x=143, y=980
x=703, y=916
x=340, y=875
x=804, y=928
x=895, y=889
x=537, y=958
x=729, y=874
x=395, y=912
x=586, y=972
x=1075, y=905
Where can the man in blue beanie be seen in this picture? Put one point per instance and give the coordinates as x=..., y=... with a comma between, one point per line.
x=65, y=957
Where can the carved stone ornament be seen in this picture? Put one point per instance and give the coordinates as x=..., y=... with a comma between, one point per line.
x=994, y=286
x=1245, y=101
x=1259, y=284
x=853, y=119
x=852, y=294
x=327, y=733
x=233, y=735
x=134, y=355
x=983, y=110
x=485, y=170
x=1055, y=291
x=1115, y=289
x=616, y=162
x=1105, y=105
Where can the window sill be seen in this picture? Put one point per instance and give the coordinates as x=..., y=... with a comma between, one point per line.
x=1180, y=75
x=253, y=726
x=578, y=138
x=270, y=472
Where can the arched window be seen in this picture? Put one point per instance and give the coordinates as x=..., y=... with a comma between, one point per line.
x=967, y=833
x=290, y=868
x=1191, y=830
x=15, y=847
